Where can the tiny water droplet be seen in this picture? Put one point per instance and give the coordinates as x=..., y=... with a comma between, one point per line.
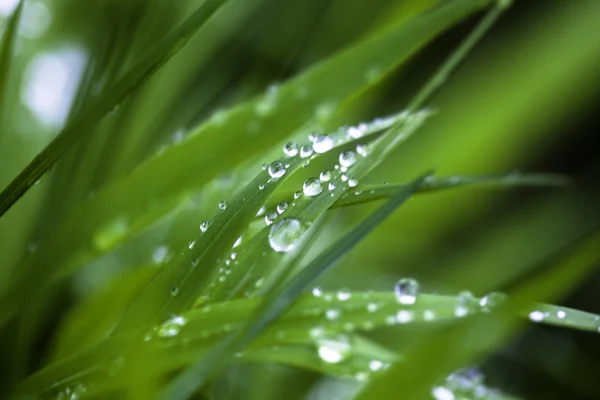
x=290, y=149
x=270, y=217
x=491, y=301
x=352, y=182
x=191, y=244
x=347, y=158
x=407, y=290
x=174, y=291
x=404, y=316
x=362, y=150
x=343, y=295
x=306, y=151
x=297, y=195
x=322, y=144
x=312, y=187
x=355, y=132
x=465, y=304
x=331, y=186
x=344, y=177
x=537, y=316
x=276, y=169
x=333, y=350
x=222, y=204
x=332, y=314
x=561, y=314
x=375, y=365
x=171, y=327
x=372, y=307
x=284, y=235
x=261, y=186
x=317, y=292
x=325, y=176
x=281, y=207
x=442, y=393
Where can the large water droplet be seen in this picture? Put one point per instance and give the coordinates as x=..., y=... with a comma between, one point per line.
x=276, y=169
x=306, y=151
x=333, y=350
x=406, y=291
x=347, y=158
x=322, y=144
x=171, y=327
x=312, y=187
x=290, y=149
x=284, y=235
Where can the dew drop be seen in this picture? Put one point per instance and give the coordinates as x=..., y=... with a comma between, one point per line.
x=561, y=314
x=331, y=186
x=491, y=301
x=171, y=327
x=222, y=204
x=343, y=295
x=355, y=132
x=281, y=207
x=352, y=182
x=372, y=307
x=306, y=151
x=317, y=292
x=404, y=316
x=191, y=244
x=297, y=195
x=322, y=144
x=325, y=176
x=537, y=316
x=290, y=149
x=284, y=235
x=407, y=290
x=362, y=150
x=332, y=314
x=174, y=291
x=270, y=217
x=347, y=158
x=465, y=304
x=333, y=350
x=312, y=187
x=160, y=254
x=442, y=393
x=375, y=365
x=261, y=186
x=344, y=178
x=276, y=169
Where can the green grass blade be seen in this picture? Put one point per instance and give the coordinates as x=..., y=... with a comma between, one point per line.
x=193, y=378
x=6, y=52
x=134, y=78
x=478, y=336
x=143, y=196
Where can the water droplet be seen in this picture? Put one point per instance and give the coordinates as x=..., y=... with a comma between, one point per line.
x=317, y=292
x=290, y=149
x=442, y=393
x=333, y=350
x=404, y=316
x=332, y=314
x=491, y=301
x=264, y=167
x=312, y=187
x=362, y=150
x=537, y=316
x=375, y=365
x=347, y=158
x=325, y=176
x=191, y=244
x=297, y=195
x=331, y=186
x=276, y=169
x=306, y=151
x=261, y=186
x=222, y=204
x=160, y=254
x=465, y=304
x=355, y=132
x=284, y=235
x=372, y=307
x=270, y=217
x=174, y=291
x=343, y=295
x=344, y=177
x=281, y=207
x=322, y=144
x=352, y=182
x=233, y=255
x=428, y=315
x=561, y=314
x=171, y=327
x=406, y=291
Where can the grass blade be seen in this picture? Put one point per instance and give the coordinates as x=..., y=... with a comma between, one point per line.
x=6, y=51
x=134, y=78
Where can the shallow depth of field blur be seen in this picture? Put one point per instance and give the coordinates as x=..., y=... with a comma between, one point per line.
x=525, y=100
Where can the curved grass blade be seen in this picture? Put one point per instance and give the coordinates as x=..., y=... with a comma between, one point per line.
x=320, y=315
x=478, y=336
x=131, y=80
x=6, y=52
x=367, y=193
x=148, y=193
x=194, y=377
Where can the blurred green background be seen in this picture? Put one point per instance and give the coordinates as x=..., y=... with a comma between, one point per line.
x=525, y=100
